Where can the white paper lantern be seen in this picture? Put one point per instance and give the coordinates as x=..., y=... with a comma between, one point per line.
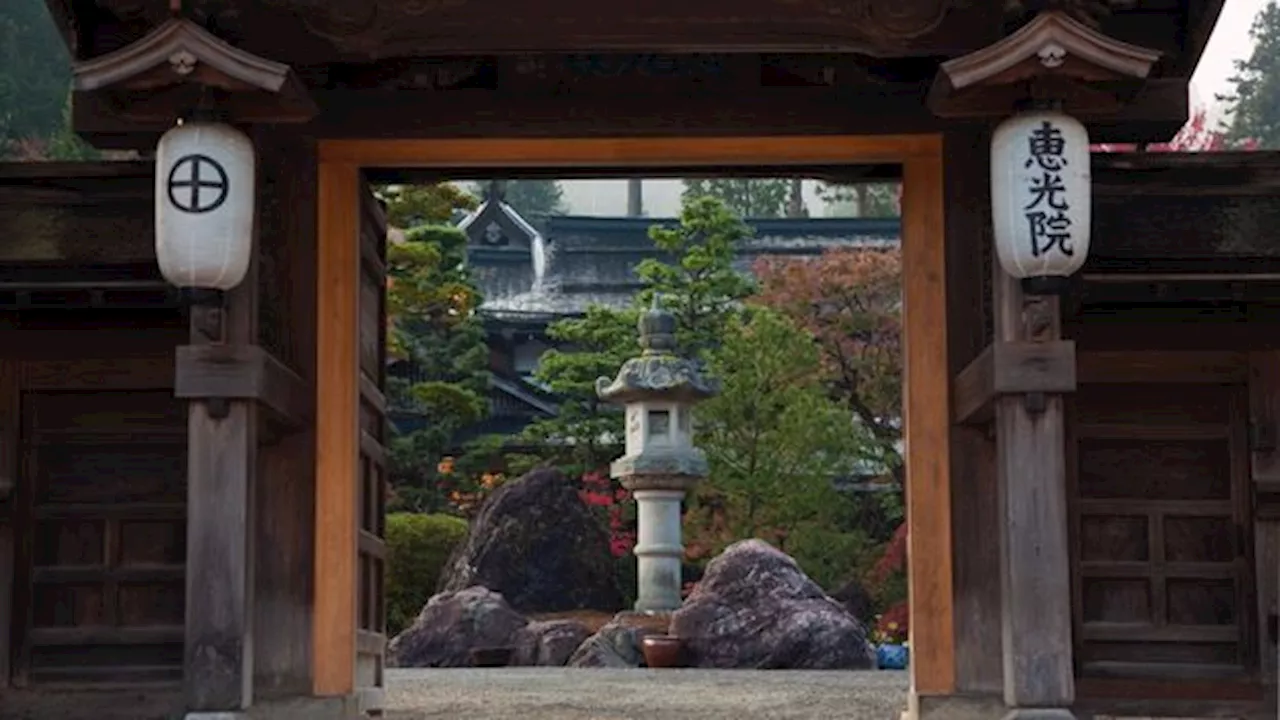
x=1040, y=195
x=204, y=205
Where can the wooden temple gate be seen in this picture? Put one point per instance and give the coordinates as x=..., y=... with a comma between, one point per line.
x=1136, y=568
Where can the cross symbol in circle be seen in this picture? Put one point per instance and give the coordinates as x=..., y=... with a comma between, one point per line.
x=198, y=184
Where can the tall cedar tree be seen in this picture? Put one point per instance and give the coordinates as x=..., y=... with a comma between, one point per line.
x=746, y=197
x=434, y=330
x=1254, y=102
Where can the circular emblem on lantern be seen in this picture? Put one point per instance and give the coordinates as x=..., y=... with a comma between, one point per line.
x=204, y=191
x=198, y=184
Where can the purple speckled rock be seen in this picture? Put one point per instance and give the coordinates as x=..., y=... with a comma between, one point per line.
x=755, y=608
x=453, y=624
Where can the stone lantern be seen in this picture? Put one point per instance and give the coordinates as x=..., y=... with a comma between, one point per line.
x=659, y=390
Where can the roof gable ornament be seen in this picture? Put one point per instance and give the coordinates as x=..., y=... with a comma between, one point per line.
x=1054, y=56
x=159, y=77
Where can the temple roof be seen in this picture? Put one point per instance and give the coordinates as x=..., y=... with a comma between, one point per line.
x=592, y=260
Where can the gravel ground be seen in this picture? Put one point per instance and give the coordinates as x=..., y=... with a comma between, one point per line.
x=583, y=694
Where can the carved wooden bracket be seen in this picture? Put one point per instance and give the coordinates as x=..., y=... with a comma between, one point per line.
x=1053, y=57
x=1012, y=368
x=242, y=372
x=164, y=75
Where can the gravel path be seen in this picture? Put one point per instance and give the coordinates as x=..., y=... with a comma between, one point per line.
x=582, y=694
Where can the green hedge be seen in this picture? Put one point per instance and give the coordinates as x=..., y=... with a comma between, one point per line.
x=418, y=547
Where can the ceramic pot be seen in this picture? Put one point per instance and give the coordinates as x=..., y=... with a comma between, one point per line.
x=892, y=656
x=662, y=651
x=491, y=657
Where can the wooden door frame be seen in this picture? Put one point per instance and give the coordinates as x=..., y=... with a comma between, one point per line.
x=926, y=392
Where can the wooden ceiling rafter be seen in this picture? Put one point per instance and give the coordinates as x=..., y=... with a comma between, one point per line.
x=1054, y=56
x=162, y=76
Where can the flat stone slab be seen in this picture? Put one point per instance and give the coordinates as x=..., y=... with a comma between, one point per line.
x=607, y=694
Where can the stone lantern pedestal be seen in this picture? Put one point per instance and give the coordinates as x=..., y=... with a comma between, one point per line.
x=659, y=390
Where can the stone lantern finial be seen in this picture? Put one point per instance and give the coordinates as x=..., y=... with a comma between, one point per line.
x=657, y=330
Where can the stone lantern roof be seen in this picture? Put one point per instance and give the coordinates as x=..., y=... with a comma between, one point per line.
x=658, y=373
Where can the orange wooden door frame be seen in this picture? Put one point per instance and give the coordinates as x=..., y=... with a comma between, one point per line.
x=927, y=412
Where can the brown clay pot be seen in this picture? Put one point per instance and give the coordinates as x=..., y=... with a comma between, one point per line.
x=662, y=651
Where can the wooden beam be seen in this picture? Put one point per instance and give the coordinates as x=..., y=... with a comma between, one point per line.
x=1155, y=115
x=1163, y=367
x=337, y=428
x=928, y=421
x=1039, y=678
x=222, y=467
x=1012, y=368
x=241, y=372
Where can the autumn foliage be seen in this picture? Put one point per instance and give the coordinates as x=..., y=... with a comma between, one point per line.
x=850, y=300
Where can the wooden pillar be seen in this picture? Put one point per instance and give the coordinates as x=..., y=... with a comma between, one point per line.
x=285, y=491
x=975, y=495
x=1035, y=571
x=222, y=459
x=337, y=429
x=926, y=407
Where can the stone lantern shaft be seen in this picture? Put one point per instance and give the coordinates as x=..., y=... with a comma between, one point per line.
x=659, y=390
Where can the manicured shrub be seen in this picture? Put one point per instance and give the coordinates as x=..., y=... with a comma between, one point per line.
x=418, y=547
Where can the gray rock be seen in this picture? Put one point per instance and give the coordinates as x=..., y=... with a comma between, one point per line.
x=616, y=645
x=537, y=544
x=755, y=608
x=549, y=643
x=453, y=624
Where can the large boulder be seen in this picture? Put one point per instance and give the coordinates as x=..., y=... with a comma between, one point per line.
x=549, y=642
x=452, y=625
x=537, y=544
x=755, y=608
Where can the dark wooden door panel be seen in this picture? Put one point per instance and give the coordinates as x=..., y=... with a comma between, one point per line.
x=1162, y=567
x=103, y=498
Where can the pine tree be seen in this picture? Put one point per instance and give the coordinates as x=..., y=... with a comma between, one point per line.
x=440, y=340
x=1254, y=103
x=437, y=338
